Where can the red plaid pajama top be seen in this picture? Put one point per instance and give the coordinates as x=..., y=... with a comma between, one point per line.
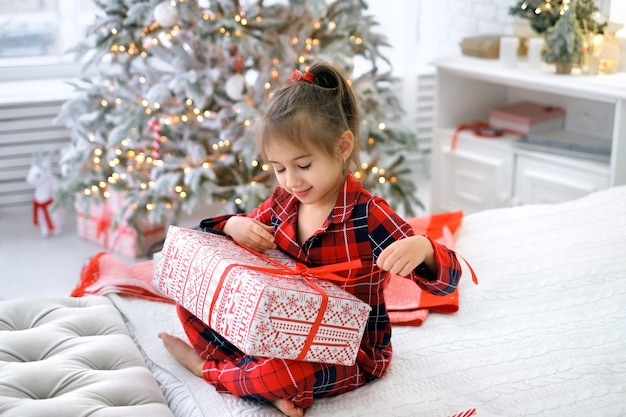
x=360, y=226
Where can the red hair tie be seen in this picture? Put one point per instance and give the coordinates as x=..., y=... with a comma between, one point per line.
x=296, y=75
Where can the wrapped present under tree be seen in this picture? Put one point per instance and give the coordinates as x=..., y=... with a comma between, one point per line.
x=105, y=222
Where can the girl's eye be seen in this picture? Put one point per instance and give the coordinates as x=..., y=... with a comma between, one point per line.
x=279, y=170
x=305, y=167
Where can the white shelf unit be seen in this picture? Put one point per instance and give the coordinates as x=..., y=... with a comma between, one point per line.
x=487, y=173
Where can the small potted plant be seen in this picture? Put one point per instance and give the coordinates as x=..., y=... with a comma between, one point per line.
x=564, y=42
x=543, y=14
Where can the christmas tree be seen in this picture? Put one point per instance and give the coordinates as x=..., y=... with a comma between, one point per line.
x=564, y=42
x=166, y=112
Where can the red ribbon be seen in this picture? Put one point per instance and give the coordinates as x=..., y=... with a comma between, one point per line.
x=103, y=225
x=481, y=129
x=46, y=214
x=325, y=271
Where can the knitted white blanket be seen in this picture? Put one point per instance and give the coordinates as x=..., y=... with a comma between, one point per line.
x=543, y=334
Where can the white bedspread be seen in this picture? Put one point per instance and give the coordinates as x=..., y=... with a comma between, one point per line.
x=543, y=334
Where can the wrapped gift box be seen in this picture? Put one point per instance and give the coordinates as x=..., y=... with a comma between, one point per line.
x=260, y=303
x=96, y=222
x=144, y=240
x=483, y=46
x=527, y=117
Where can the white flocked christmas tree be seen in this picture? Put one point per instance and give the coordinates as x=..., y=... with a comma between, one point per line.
x=165, y=108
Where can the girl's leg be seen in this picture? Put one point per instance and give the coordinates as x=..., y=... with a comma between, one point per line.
x=271, y=379
x=282, y=382
x=183, y=353
x=209, y=344
x=189, y=358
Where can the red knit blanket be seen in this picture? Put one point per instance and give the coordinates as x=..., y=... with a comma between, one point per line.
x=105, y=273
x=406, y=303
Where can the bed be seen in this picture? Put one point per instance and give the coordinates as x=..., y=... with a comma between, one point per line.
x=542, y=334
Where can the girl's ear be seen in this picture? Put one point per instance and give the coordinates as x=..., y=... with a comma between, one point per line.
x=346, y=144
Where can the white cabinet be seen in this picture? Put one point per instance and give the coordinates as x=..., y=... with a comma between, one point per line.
x=474, y=176
x=482, y=173
x=541, y=180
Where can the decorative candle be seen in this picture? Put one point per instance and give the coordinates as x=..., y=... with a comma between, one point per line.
x=508, y=50
x=620, y=37
x=535, y=46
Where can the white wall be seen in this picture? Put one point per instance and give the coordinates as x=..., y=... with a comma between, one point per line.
x=420, y=31
x=423, y=30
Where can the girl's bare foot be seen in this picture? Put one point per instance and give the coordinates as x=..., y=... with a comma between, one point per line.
x=190, y=359
x=288, y=408
x=183, y=353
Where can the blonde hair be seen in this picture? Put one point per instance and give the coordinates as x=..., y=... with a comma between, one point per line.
x=313, y=113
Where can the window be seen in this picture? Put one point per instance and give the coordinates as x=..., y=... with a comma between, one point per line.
x=36, y=34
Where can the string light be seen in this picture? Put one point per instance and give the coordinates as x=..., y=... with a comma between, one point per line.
x=128, y=161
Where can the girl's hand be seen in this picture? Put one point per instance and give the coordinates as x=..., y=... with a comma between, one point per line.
x=404, y=255
x=250, y=233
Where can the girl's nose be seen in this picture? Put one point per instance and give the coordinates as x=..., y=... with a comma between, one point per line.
x=293, y=179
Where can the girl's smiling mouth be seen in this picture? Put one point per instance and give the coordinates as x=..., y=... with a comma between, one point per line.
x=301, y=193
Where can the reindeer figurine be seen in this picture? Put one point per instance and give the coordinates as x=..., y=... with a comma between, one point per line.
x=45, y=182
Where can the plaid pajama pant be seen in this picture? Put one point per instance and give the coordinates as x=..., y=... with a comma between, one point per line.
x=266, y=379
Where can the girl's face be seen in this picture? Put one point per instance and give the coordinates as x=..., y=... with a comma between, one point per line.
x=310, y=175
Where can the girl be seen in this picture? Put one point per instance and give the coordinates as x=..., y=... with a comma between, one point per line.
x=319, y=214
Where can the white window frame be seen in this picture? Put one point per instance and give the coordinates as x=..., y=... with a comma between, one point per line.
x=73, y=26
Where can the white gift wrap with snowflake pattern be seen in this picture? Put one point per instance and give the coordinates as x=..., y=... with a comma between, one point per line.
x=262, y=313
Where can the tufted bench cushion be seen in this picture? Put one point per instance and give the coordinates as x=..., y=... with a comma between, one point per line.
x=72, y=357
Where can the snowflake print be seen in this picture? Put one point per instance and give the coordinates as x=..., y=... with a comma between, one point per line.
x=346, y=310
x=292, y=301
x=311, y=305
x=285, y=351
x=261, y=349
x=364, y=311
x=263, y=328
x=272, y=303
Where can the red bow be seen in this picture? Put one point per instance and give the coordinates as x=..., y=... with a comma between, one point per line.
x=325, y=271
x=296, y=75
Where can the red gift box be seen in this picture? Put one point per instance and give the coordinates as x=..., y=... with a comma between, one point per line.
x=96, y=222
x=527, y=117
x=143, y=240
x=263, y=304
